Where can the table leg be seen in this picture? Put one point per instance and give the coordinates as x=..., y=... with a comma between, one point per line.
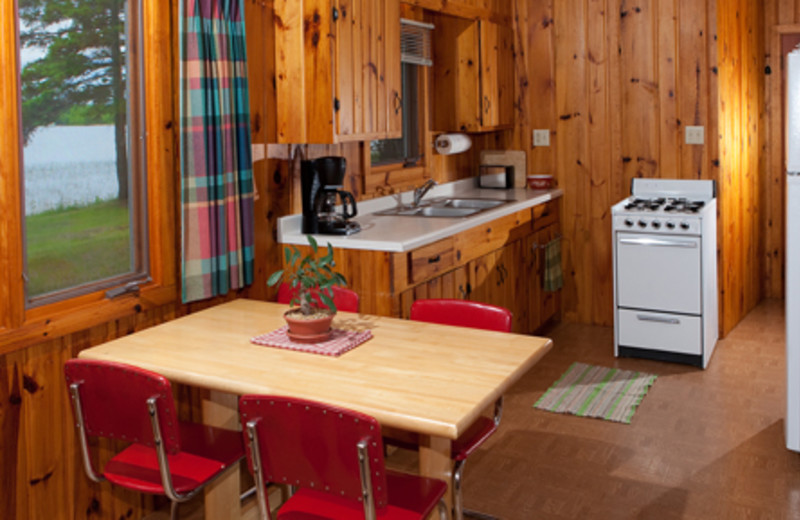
x=222, y=496
x=435, y=462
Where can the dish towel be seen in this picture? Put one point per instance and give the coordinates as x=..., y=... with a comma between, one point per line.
x=553, y=279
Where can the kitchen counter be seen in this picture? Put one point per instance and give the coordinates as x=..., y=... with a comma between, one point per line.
x=404, y=233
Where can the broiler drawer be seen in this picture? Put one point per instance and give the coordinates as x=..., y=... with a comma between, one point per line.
x=660, y=331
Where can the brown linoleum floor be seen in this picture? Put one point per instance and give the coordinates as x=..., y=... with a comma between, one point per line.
x=702, y=445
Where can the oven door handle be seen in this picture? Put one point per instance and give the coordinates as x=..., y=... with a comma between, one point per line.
x=658, y=242
x=658, y=319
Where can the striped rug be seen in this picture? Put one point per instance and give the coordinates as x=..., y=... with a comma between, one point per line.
x=591, y=391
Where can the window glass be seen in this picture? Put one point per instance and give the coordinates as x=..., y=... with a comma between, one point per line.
x=81, y=147
x=406, y=149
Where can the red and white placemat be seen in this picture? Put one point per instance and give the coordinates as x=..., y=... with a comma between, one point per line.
x=340, y=341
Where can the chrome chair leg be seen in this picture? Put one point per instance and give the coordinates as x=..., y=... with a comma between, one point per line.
x=442, y=510
x=173, y=511
x=458, y=506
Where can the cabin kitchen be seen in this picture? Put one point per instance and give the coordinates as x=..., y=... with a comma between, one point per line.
x=603, y=182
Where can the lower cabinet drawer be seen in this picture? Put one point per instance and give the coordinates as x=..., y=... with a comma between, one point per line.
x=430, y=260
x=660, y=331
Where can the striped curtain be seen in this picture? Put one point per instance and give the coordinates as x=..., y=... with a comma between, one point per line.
x=216, y=165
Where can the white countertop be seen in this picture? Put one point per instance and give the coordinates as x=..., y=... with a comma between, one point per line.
x=403, y=233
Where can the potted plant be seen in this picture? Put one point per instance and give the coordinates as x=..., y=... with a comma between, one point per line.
x=312, y=279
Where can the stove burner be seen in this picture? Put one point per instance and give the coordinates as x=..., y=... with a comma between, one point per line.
x=683, y=205
x=677, y=205
x=645, y=204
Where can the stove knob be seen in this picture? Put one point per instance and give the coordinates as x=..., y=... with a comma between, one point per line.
x=642, y=224
x=656, y=224
x=684, y=225
x=671, y=225
x=628, y=222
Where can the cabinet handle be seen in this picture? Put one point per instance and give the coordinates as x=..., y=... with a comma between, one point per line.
x=487, y=104
x=337, y=105
x=464, y=293
x=434, y=259
x=398, y=103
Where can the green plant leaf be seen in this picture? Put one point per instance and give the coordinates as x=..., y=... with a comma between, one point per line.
x=295, y=256
x=313, y=243
x=328, y=301
x=275, y=277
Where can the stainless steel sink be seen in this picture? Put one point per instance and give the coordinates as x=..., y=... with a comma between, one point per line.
x=445, y=208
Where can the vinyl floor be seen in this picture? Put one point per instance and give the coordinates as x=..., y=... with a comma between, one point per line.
x=704, y=444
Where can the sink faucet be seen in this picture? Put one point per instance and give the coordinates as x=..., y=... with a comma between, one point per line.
x=422, y=190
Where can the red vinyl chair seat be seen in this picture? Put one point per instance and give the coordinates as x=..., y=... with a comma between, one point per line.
x=346, y=300
x=136, y=467
x=410, y=498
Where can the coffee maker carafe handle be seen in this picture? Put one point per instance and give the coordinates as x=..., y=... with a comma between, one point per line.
x=347, y=196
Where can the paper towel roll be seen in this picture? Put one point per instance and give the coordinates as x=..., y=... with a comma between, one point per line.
x=448, y=144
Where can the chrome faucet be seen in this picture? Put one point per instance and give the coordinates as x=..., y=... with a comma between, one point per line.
x=422, y=190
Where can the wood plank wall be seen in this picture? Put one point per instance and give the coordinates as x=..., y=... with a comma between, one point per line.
x=616, y=82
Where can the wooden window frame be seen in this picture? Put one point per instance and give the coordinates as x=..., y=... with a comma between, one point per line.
x=396, y=176
x=20, y=327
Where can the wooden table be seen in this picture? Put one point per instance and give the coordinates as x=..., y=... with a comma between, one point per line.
x=430, y=379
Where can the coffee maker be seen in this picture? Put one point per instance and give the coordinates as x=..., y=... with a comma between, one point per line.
x=321, y=187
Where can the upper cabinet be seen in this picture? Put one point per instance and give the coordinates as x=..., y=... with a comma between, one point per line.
x=473, y=75
x=337, y=70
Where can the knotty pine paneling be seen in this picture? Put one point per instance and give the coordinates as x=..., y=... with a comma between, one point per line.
x=616, y=82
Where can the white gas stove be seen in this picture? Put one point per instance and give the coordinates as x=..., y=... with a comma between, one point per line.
x=665, y=271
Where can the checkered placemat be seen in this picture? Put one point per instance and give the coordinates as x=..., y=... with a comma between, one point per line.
x=340, y=341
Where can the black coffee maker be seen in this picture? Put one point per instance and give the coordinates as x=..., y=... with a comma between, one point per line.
x=321, y=185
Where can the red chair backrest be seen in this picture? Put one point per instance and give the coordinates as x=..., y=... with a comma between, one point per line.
x=462, y=313
x=346, y=300
x=114, y=401
x=314, y=445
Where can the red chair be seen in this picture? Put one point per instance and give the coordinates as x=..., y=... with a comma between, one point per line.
x=166, y=456
x=334, y=457
x=346, y=300
x=476, y=315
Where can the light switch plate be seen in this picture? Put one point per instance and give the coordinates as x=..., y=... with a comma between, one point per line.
x=541, y=137
x=695, y=135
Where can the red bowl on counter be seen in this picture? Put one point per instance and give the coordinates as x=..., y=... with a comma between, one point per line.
x=540, y=182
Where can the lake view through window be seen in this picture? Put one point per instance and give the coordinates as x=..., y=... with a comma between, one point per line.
x=81, y=146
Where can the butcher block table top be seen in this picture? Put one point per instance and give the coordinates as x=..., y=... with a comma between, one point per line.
x=420, y=377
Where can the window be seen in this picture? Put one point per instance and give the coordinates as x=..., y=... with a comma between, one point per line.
x=81, y=136
x=406, y=149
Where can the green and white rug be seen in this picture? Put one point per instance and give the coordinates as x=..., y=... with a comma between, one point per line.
x=591, y=391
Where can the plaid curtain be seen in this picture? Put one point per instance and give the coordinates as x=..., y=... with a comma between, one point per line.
x=216, y=165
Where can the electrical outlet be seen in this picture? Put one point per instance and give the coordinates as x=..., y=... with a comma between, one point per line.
x=695, y=135
x=541, y=137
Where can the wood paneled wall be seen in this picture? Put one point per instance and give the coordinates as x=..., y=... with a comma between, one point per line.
x=617, y=82
x=614, y=80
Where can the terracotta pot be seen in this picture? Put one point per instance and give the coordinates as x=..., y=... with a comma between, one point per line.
x=308, y=330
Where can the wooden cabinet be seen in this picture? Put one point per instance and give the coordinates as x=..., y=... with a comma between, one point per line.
x=541, y=305
x=337, y=70
x=473, y=75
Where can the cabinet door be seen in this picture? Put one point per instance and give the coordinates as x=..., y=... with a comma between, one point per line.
x=497, y=75
x=456, y=74
x=542, y=305
x=392, y=76
x=499, y=278
x=452, y=284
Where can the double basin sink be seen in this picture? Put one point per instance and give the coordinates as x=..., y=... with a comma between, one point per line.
x=445, y=208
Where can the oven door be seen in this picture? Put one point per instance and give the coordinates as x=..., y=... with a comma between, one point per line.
x=659, y=272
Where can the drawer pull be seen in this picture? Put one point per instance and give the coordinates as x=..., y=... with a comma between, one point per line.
x=434, y=259
x=658, y=319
